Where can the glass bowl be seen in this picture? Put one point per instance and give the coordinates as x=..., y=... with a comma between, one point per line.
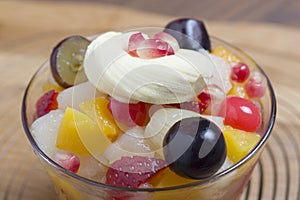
x=228, y=184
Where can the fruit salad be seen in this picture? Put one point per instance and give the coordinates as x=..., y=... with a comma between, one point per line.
x=148, y=108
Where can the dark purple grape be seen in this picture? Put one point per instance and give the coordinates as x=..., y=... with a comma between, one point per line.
x=194, y=148
x=66, y=61
x=190, y=33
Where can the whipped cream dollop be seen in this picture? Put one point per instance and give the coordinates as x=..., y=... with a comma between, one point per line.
x=170, y=79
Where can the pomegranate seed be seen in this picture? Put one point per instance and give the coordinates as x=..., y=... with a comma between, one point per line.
x=46, y=103
x=134, y=41
x=204, y=97
x=212, y=96
x=240, y=72
x=241, y=114
x=167, y=38
x=67, y=160
x=195, y=106
x=256, y=86
x=173, y=105
x=154, y=48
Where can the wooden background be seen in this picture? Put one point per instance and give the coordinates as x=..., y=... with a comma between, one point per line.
x=271, y=11
x=29, y=30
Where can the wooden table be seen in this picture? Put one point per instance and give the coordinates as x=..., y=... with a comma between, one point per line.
x=28, y=31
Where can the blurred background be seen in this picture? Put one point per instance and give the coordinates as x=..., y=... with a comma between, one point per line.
x=268, y=30
x=273, y=11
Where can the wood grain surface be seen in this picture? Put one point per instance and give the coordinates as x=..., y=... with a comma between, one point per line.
x=271, y=11
x=28, y=31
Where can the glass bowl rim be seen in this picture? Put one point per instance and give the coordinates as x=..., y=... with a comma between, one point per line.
x=212, y=178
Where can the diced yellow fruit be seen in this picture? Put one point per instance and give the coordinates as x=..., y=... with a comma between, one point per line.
x=80, y=135
x=226, y=54
x=52, y=86
x=168, y=178
x=64, y=189
x=239, y=142
x=97, y=109
x=238, y=90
